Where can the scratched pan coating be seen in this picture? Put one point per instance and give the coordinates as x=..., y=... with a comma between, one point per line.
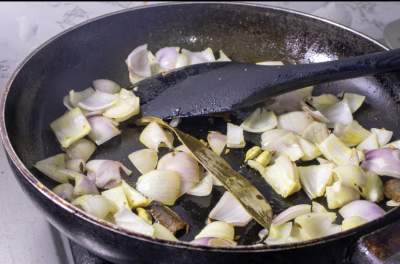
x=246, y=33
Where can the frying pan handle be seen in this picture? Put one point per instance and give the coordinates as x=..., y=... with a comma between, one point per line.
x=379, y=247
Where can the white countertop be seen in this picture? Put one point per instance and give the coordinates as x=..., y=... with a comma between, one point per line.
x=25, y=236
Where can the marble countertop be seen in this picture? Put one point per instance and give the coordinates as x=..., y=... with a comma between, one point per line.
x=25, y=236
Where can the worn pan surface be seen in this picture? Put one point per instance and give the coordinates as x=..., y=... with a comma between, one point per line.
x=97, y=49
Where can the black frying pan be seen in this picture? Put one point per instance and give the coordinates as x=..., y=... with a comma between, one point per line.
x=97, y=49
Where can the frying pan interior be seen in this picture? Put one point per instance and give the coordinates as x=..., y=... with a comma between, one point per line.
x=244, y=33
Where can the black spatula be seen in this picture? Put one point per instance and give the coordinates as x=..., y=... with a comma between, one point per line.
x=209, y=88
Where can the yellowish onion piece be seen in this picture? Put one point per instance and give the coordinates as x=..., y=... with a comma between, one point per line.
x=187, y=168
x=373, y=189
x=142, y=213
x=144, y=160
x=282, y=142
x=206, y=55
x=339, y=194
x=53, y=167
x=128, y=220
x=310, y=150
x=255, y=165
x=283, y=176
x=106, y=86
x=351, y=134
x=153, y=136
x=217, y=229
x=384, y=161
x=338, y=113
x=335, y=150
x=204, y=187
x=315, y=132
x=392, y=203
x=167, y=57
x=279, y=234
x=117, y=196
x=223, y=56
x=70, y=127
x=216, y=141
x=182, y=61
x=383, y=135
x=229, y=210
x=103, y=129
x=315, y=178
x=270, y=63
x=291, y=213
x=160, y=185
x=106, y=173
x=65, y=191
x=290, y=101
x=126, y=106
x=81, y=149
x=353, y=100
x=95, y=205
x=370, y=143
x=75, y=97
x=260, y=121
x=393, y=144
x=213, y=242
x=98, y=101
x=77, y=165
x=322, y=161
x=234, y=136
x=138, y=62
x=313, y=112
x=322, y=101
x=351, y=175
x=84, y=185
x=161, y=232
x=135, y=198
x=352, y=222
x=317, y=225
x=317, y=208
x=296, y=121
x=362, y=208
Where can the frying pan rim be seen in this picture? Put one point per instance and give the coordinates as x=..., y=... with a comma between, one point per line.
x=43, y=190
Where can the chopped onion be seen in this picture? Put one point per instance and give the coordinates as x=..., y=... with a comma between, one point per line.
x=255, y=165
x=310, y=150
x=339, y=194
x=353, y=100
x=213, y=242
x=138, y=62
x=260, y=121
x=77, y=165
x=182, y=163
x=70, y=127
x=217, y=229
x=135, y=198
x=160, y=185
x=365, y=209
x=98, y=101
x=144, y=160
x=183, y=148
x=84, y=185
x=53, y=167
x=335, y=150
x=352, y=222
x=203, y=188
x=67, y=103
x=167, y=57
x=95, y=205
x=315, y=179
x=153, y=136
x=313, y=112
x=283, y=142
x=117, y=196
x=65, y=191
x=351, y=175
x=296, y=121
x=217, y=142
x=290, y=101
x=234, y=136
x=278, y=234
x=103, y=129
x=200, y=56
x=315, y=132
x=338, y=113
x=385, y=161
x=370, y=143
x=393, y=144
x=318, y=208
x=322, y=101
x=383, y=135
x=126, y=106
x=127, y=219
x=392, y=203
x=229, y=210
x=81, y=149
x=270, y=63
x=182, y=61
x=351, y=134
x=106, y=173
x=283, y=176
x=223, y=57
x=106, y=86
x=162, y=232
x=317, y=225
x=75, y=97
x=291, y=213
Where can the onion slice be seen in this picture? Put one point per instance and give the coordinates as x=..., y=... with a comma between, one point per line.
x=84, y=185
x=384, y=161
x=96, y=205
x=106, y=86
x=213, y=242
x=317, y=225
x=338, y=113
x=351, y=134
x=339, y=194
x=144, y=160
x=75, y=97
x=206, y=55
x=203, y=188
x=161, y=232
x=138, y=62
x=167, y=57
x=217, y=141
x=362, y=208
x=128, y=220
x=103, y=129
x=296, y=121
x=315, y=179
x=234, y=136
x=53, y=167
x=291, y=213
x=81, y=149
x=383, y=135
x=64, y=190
x=106, y=173
x=335, y=150
x=290, y=101
x=260, y=121
x=353, y=100
x=153, y=136
x=98, y=101
x=126, y=106
x=217, y=229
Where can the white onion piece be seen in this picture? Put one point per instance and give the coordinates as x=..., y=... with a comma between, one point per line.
x=315, y=179
x=335, y=150
x=203, y=188
x=296, y=121
x=229, y=210
x=144, y=160
x=351, y=175
x=392, y=203
x=70, y=127
x=77, y=165
x=316, y=225
x=153, y=136
x=282, y=142
x=310, y=150
x=217, y=141
x=314, y=113
x=352, y=222
x=127, y=105
x=370, y=143
x=106, y=173
x=290, y=101
x=106, y=86
x=103, y=129
x=353, y=100
x=362, y=208
x=138, y=62
x=182, y=61
x=75, y=97
x=162, y=232
x=95, y=205
x=127, y=219
x=160, y=185
x=223, y=56
x=167, y=57
x=393, y=144
x=322, y=101
x=183, y=148
x=135, y=198
x=64, y=190
x=255, y=165
x=291, y=213
x=53, y=167
x=383, y=161
x=200, y=56
x=278, y=234
x=217, y=229
x=260, y=121
x=315, y=132
x=270, y=63
x=84, y=185
x=351, y=134
x=234, y=136
x=373, y=189
x=117, y=196
x=213, y=242
x=338, y=113
x=98, y=101
x=182, y=163
x=82, y=149
x=339, y=194
x=317, y=208
x=383, y=135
